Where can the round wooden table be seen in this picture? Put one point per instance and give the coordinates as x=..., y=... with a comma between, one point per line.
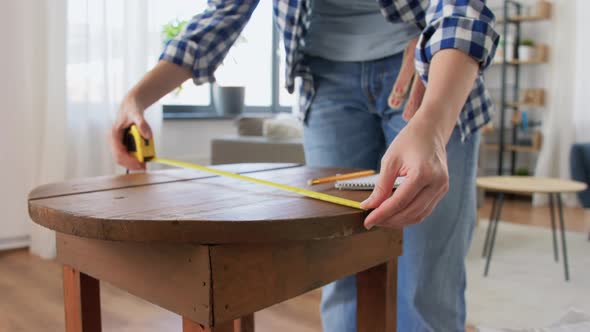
x=501, y=185
x=214, y=249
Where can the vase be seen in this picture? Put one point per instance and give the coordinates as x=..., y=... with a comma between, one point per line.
x=228, y=100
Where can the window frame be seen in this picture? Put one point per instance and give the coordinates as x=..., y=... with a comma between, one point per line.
x=179, y=112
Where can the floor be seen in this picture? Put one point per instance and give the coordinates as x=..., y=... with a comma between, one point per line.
x=33, y=286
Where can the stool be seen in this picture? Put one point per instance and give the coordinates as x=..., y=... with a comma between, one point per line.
x=501, y=185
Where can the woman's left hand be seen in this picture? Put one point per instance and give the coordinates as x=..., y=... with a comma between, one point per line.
x=419, y=154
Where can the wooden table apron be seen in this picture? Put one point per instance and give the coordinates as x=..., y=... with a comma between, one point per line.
x=212, y=249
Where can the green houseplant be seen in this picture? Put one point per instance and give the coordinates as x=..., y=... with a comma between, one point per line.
x=526, y=50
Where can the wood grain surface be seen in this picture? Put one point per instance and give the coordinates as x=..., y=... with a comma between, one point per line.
x=173, y=276
x=248, y=278
x=376, y=290
x=175, y=206
x=81, y=301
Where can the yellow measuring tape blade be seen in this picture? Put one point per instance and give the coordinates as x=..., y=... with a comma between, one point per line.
x=300, y=191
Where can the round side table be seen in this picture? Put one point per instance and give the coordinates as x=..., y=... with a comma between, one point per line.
x=501, y=185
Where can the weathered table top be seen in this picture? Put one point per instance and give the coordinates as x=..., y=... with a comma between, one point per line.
x=195, y=207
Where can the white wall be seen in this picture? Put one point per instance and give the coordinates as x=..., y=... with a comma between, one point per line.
x=190, y=140
x=18, y=96
x=582, y=76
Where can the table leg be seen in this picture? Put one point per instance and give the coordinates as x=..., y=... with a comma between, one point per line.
x=492, y=240
x=81, y=301
x=244, y=324
x=552, y=211
x=376, y=298
x=563, y=244
x=490, y=222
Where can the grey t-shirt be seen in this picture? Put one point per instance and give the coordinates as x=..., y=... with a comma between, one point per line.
x=354, y=30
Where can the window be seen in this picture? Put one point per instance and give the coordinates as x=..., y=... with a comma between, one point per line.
x=255, y=62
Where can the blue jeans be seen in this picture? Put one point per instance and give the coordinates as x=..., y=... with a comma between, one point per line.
x=351, y=125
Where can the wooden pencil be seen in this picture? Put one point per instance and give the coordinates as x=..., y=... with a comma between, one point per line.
x=339, y=177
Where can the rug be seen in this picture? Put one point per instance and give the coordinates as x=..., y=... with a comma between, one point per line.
x=526, y=287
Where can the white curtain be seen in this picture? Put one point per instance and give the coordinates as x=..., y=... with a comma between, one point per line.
x=108, y=45
x=32, y=135
x=558, y=122
x=90, y=53
x=582, y=78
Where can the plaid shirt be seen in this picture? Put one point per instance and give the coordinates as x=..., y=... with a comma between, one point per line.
x=467, y=25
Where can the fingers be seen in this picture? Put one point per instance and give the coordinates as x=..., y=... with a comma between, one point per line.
x=415, y=99
x=384, y=186
x=400, y=199
x=119, y=150
x=142, y=125
x=421, y=207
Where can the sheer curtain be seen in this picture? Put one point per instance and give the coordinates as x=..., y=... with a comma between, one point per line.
x=103, y=48
x=562, y=118
x=109, y=48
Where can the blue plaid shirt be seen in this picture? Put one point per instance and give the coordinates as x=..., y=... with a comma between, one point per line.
x=466, y=25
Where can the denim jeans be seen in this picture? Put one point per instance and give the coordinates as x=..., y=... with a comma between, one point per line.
x=350, y=125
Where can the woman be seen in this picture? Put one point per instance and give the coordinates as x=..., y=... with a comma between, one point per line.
x=349, y=55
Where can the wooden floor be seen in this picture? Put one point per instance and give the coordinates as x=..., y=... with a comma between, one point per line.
x=31, y=294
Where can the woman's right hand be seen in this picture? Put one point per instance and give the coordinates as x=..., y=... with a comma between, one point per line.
x=129, y=113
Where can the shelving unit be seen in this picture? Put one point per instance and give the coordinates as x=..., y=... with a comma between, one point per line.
x=515, y=105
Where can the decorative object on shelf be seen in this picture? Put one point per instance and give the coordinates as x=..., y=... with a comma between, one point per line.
x=526, y=50
x=522, y=171
x=542, y=9
x=533, y=97
x=541, y=53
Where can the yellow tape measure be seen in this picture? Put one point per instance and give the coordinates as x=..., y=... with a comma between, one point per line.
x=143, y=150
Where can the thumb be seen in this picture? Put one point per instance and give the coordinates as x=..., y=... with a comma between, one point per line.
x=384, y=185
x=415, y=99
x=142, y=126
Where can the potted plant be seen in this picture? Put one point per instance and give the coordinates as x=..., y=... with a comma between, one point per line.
x=526, y=50
x=228, y=91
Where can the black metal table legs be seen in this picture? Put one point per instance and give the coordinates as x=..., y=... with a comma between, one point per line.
x=488, y=247
x=554, y=199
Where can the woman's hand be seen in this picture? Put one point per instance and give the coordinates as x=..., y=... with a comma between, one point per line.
x=419, y=150
x=163, y=78
x=418, y=153
x=130, y=113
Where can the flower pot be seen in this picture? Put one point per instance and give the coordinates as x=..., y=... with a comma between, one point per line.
x=228, y=100
x=526, y=53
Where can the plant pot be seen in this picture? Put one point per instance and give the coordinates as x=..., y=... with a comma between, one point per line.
x=228, y=100
x=526, y=53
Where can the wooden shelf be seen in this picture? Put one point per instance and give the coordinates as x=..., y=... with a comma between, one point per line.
x=518, y=62
x=512, y=148
x=524, y=18
x=523, y=104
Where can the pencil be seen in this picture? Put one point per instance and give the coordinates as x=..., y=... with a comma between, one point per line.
x=338, y=177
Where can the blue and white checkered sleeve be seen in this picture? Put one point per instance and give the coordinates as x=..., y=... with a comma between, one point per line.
x=466, y=25
x=207, y=38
